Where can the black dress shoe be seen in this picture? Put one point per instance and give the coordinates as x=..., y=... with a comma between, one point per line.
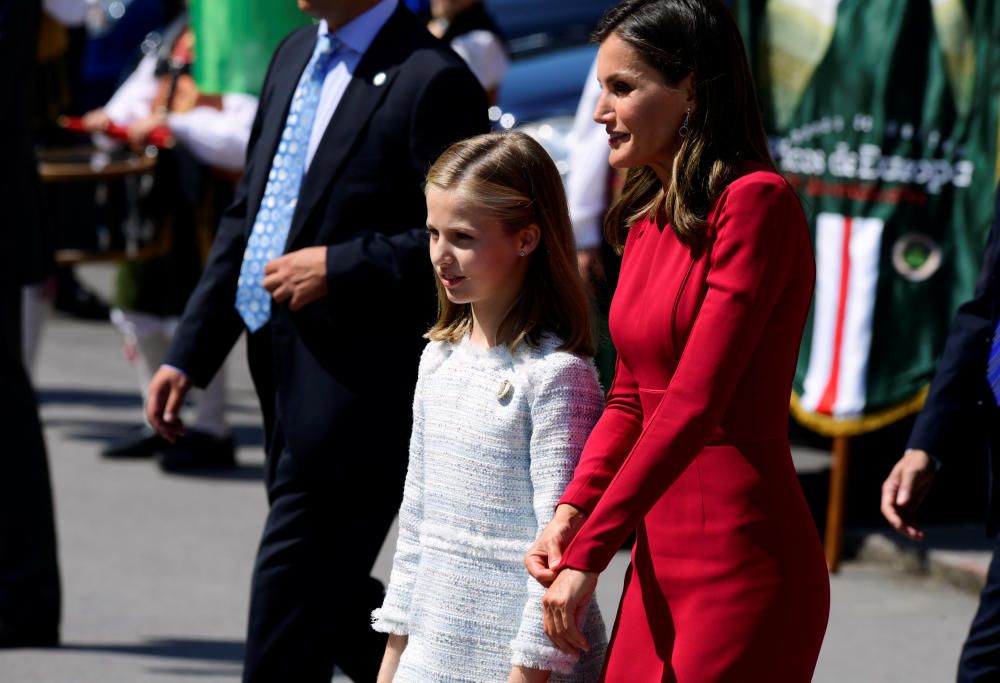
x=143, y=443
x=197, y=451
x=28, y=637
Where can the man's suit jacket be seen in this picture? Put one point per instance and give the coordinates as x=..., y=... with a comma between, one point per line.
x=356, y=350
x=961, y=412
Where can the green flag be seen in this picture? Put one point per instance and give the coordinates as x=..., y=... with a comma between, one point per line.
x=883, y=114
x=234, y=40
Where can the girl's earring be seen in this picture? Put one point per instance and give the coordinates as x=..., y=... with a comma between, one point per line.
x=522, y=252
x=684, y=130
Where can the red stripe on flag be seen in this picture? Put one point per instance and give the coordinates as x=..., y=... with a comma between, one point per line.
x=830, y=392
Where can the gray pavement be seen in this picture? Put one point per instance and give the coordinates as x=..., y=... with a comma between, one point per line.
x=156, y=568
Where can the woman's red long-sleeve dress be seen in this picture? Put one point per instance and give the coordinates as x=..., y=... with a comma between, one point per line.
x=728, y=580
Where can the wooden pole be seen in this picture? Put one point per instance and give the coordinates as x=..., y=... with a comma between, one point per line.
x=836, y=502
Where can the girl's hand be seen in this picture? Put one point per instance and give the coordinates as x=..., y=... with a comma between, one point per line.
x=563, y=604
x=542, y=560
x=521, y=674
x=390, y=660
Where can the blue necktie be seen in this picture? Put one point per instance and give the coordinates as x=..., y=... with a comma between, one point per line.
x=274, y=218
x=993, y=367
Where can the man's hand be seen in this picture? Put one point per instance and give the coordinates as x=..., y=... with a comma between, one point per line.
x=542, y=559
x=563, y=603
x=904, y=489
x=298, y=277
x=166, y=395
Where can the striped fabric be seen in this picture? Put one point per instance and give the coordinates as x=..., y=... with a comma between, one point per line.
x=847, y=273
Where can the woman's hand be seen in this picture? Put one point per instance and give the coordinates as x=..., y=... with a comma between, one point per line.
x=521, y=674
x=390, y=660
x=542, y=560
x=563, y=603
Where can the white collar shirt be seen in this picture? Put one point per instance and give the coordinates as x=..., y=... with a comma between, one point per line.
x=354, y=38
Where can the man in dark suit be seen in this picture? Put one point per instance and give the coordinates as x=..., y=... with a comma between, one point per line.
x=962, y=414
x=335, y=338
x=29, y=572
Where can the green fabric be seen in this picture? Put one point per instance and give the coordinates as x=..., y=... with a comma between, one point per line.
x=858, y=95
x=234, y=41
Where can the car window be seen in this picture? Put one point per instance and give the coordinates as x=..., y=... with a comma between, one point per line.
x=534, y=26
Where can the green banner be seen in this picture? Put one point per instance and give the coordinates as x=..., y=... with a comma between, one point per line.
x=883, y=114
x=234, y=40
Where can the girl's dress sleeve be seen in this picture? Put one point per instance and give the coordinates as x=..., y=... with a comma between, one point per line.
x=609, y=442
x=567, y=402
x=760, y=233
x=394, y=615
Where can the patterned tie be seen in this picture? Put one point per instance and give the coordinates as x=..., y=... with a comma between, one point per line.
x=993, y=367
x=274, y=218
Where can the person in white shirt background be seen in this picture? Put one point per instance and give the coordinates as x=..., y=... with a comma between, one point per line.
x=210, y=135
x=589, y=190
x=471, y=32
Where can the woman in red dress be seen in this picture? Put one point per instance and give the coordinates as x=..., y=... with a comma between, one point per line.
x=728, y=580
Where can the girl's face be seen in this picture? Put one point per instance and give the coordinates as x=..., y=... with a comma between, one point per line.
x=476, y=258
x=640, y=112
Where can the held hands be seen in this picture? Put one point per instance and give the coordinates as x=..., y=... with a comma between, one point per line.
x=298, y=277
x=562, y=605
x=542, y=560
x=165, y=398
x=904, y=489
x=569, y=589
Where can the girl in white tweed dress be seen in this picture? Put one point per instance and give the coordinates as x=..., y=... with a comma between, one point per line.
x=505, y=398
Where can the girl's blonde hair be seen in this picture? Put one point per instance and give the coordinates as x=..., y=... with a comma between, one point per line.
x=513, y=178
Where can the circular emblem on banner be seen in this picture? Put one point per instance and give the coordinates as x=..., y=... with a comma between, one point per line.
x=916, y=257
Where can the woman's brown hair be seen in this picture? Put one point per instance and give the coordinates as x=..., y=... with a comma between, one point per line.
x=513, y=178
x=677, y=38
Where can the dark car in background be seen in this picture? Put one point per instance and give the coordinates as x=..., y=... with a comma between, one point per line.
x=551, y=54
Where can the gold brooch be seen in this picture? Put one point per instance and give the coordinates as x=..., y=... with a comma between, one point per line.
x=505, y=390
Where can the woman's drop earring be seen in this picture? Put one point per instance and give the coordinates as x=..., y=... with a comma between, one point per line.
x=684, y=130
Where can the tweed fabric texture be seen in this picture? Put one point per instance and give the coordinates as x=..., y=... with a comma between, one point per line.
x=488, y=463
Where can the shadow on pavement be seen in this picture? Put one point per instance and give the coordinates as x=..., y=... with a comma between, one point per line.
x=195, y=672
x=108, y=431
x=238, y=473
x=95, y=397
x=111, y=398
x=177, y=648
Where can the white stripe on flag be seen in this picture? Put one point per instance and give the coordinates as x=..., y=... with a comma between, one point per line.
x=866, y=251
x=836, y=379
x=829, y=237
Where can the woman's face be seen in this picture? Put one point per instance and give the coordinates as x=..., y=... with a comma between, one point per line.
x=640, y=112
